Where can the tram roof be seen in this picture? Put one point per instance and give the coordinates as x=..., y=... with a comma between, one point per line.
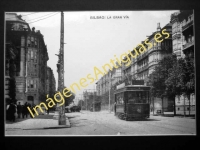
x=130, y=88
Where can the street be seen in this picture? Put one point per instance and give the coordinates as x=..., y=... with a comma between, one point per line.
x=103, y=123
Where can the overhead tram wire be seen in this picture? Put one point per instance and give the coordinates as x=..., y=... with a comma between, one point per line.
x=24, y=15
x=43, y=18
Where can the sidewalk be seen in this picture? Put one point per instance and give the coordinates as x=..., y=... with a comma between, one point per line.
x=171, y=114
x=39, y=122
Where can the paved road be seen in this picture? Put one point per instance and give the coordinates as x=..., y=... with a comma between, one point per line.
x=105, y=123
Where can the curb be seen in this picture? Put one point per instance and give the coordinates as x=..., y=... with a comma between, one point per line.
x=68, y=125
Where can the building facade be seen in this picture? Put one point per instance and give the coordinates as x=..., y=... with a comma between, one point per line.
x=108, y=80
x=186, y=21
x=177, y=36
x=31, y=61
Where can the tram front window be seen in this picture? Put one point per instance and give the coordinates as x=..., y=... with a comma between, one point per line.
x=136, y=97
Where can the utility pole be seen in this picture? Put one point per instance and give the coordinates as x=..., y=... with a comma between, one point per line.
x=62, y=117
x=93, y=100
x=109, y=89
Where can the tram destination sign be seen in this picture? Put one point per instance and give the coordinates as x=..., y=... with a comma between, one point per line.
x=137, y=82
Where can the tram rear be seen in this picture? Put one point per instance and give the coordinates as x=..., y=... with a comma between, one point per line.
x=132, y=102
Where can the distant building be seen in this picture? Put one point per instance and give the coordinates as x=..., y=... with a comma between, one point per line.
x=50, y=83
x=109, y=79
x=31, y=59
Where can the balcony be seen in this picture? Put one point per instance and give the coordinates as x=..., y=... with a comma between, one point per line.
x=176, y=35
x=155, y=62
x=154, y=48
x=188, y=44
x=140, y=57
x=125, y=67
x=187, y=25
x=143, y=68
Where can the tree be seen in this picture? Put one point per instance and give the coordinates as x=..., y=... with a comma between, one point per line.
x=69, y=100
x=159, y=76
x=174, y=83
x=161, y=73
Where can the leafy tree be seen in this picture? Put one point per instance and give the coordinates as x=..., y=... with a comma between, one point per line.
x=161, y=73
x=69, y=100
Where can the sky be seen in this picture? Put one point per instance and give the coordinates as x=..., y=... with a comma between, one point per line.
x=93, y=42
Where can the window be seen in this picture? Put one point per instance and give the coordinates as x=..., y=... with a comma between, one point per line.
x=35, y=83
x=35, y=59
x=32, y=41
x=28, y=83
x=31, y=85
x=31, y=54
x=29, y=43
x=28, y=55
x=35, y=42
x=137, y=97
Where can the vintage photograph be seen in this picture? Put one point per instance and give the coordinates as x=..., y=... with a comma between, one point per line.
x=100, y=73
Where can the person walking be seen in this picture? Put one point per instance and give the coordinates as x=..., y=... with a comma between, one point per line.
x=12, y=111
x=24, y=110
x=19, y=110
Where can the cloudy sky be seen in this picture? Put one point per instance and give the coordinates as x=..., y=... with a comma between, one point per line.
x=93, y=42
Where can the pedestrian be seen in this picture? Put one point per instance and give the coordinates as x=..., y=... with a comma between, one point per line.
x=19, y=110
x=24, y=110
x=7, y=112
x=48, y=111
x=33, y=106
x=115, y=108
x=11, y=111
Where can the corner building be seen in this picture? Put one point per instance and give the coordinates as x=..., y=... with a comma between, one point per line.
x=31, y=59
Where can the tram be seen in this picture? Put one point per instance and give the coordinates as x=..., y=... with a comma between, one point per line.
x=132, y=101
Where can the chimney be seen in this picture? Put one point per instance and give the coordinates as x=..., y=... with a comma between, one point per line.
x=158, y=27
x=33, y=29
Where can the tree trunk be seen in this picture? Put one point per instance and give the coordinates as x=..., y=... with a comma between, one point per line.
x=174, y=105
x=189, y=103
x=184, y=105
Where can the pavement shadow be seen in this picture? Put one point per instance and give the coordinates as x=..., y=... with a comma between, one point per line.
x=43, y=117
x=143, y=120
x=76, y=124
x=70, y=117
x=16, y=120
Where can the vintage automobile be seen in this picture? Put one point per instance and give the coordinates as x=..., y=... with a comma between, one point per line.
x=72, y=108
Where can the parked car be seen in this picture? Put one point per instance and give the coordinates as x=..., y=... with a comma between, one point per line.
x=75, y=109
x=67, y=109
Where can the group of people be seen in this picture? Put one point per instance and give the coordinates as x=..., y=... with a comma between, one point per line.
x=19, y=111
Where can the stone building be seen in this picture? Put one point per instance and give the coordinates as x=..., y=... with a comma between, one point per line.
x=145, y=63
x=109, y=79
x=185, y=18
x=31, y=61
x=10, y=72
x=177, y=36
